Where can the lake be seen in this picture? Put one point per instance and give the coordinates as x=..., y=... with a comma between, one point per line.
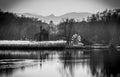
x=60, y=63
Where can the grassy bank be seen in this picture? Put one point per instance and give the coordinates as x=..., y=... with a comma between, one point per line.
x=35, y=45
x=21, y=45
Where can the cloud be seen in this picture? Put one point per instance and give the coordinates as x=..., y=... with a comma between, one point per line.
x=58, y=7
x=6, y=4
x=112, y=3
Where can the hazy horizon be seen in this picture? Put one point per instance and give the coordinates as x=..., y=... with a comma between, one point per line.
x=52, y=13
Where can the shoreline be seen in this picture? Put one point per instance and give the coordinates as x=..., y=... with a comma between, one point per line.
x=44, y=45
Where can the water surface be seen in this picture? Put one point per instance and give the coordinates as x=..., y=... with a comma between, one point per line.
x=65, y=63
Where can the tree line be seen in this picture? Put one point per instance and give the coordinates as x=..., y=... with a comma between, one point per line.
x=102, y=27
x=14, y=27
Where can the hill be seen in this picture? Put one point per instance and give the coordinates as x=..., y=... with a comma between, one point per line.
x=58, y=19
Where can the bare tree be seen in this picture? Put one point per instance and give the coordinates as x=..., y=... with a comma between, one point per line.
x=67, y=29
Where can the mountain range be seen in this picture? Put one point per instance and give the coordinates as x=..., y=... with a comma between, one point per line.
x=58, y=19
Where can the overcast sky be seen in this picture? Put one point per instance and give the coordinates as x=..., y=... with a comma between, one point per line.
x=57, y=7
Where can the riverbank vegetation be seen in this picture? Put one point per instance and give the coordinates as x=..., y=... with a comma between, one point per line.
x=102, y=27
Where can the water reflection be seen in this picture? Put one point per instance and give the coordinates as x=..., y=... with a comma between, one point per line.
x=105, y=63
x=66, y=63
x=71, y=59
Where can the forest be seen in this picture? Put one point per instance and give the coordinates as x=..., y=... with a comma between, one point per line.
x=102, y=27
x=13, y=27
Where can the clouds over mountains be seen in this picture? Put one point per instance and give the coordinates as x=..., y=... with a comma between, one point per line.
x=7, y=4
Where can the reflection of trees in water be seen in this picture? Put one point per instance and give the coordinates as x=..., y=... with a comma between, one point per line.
x=102, y=63
x=70, y=59
x=68, y=65
x=96, y=63
x=6, y=72
x=105, y=63
x=7, y=69
x=24, y=54
x=112, y=63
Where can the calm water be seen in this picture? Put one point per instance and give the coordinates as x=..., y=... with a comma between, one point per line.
x=67, y=63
